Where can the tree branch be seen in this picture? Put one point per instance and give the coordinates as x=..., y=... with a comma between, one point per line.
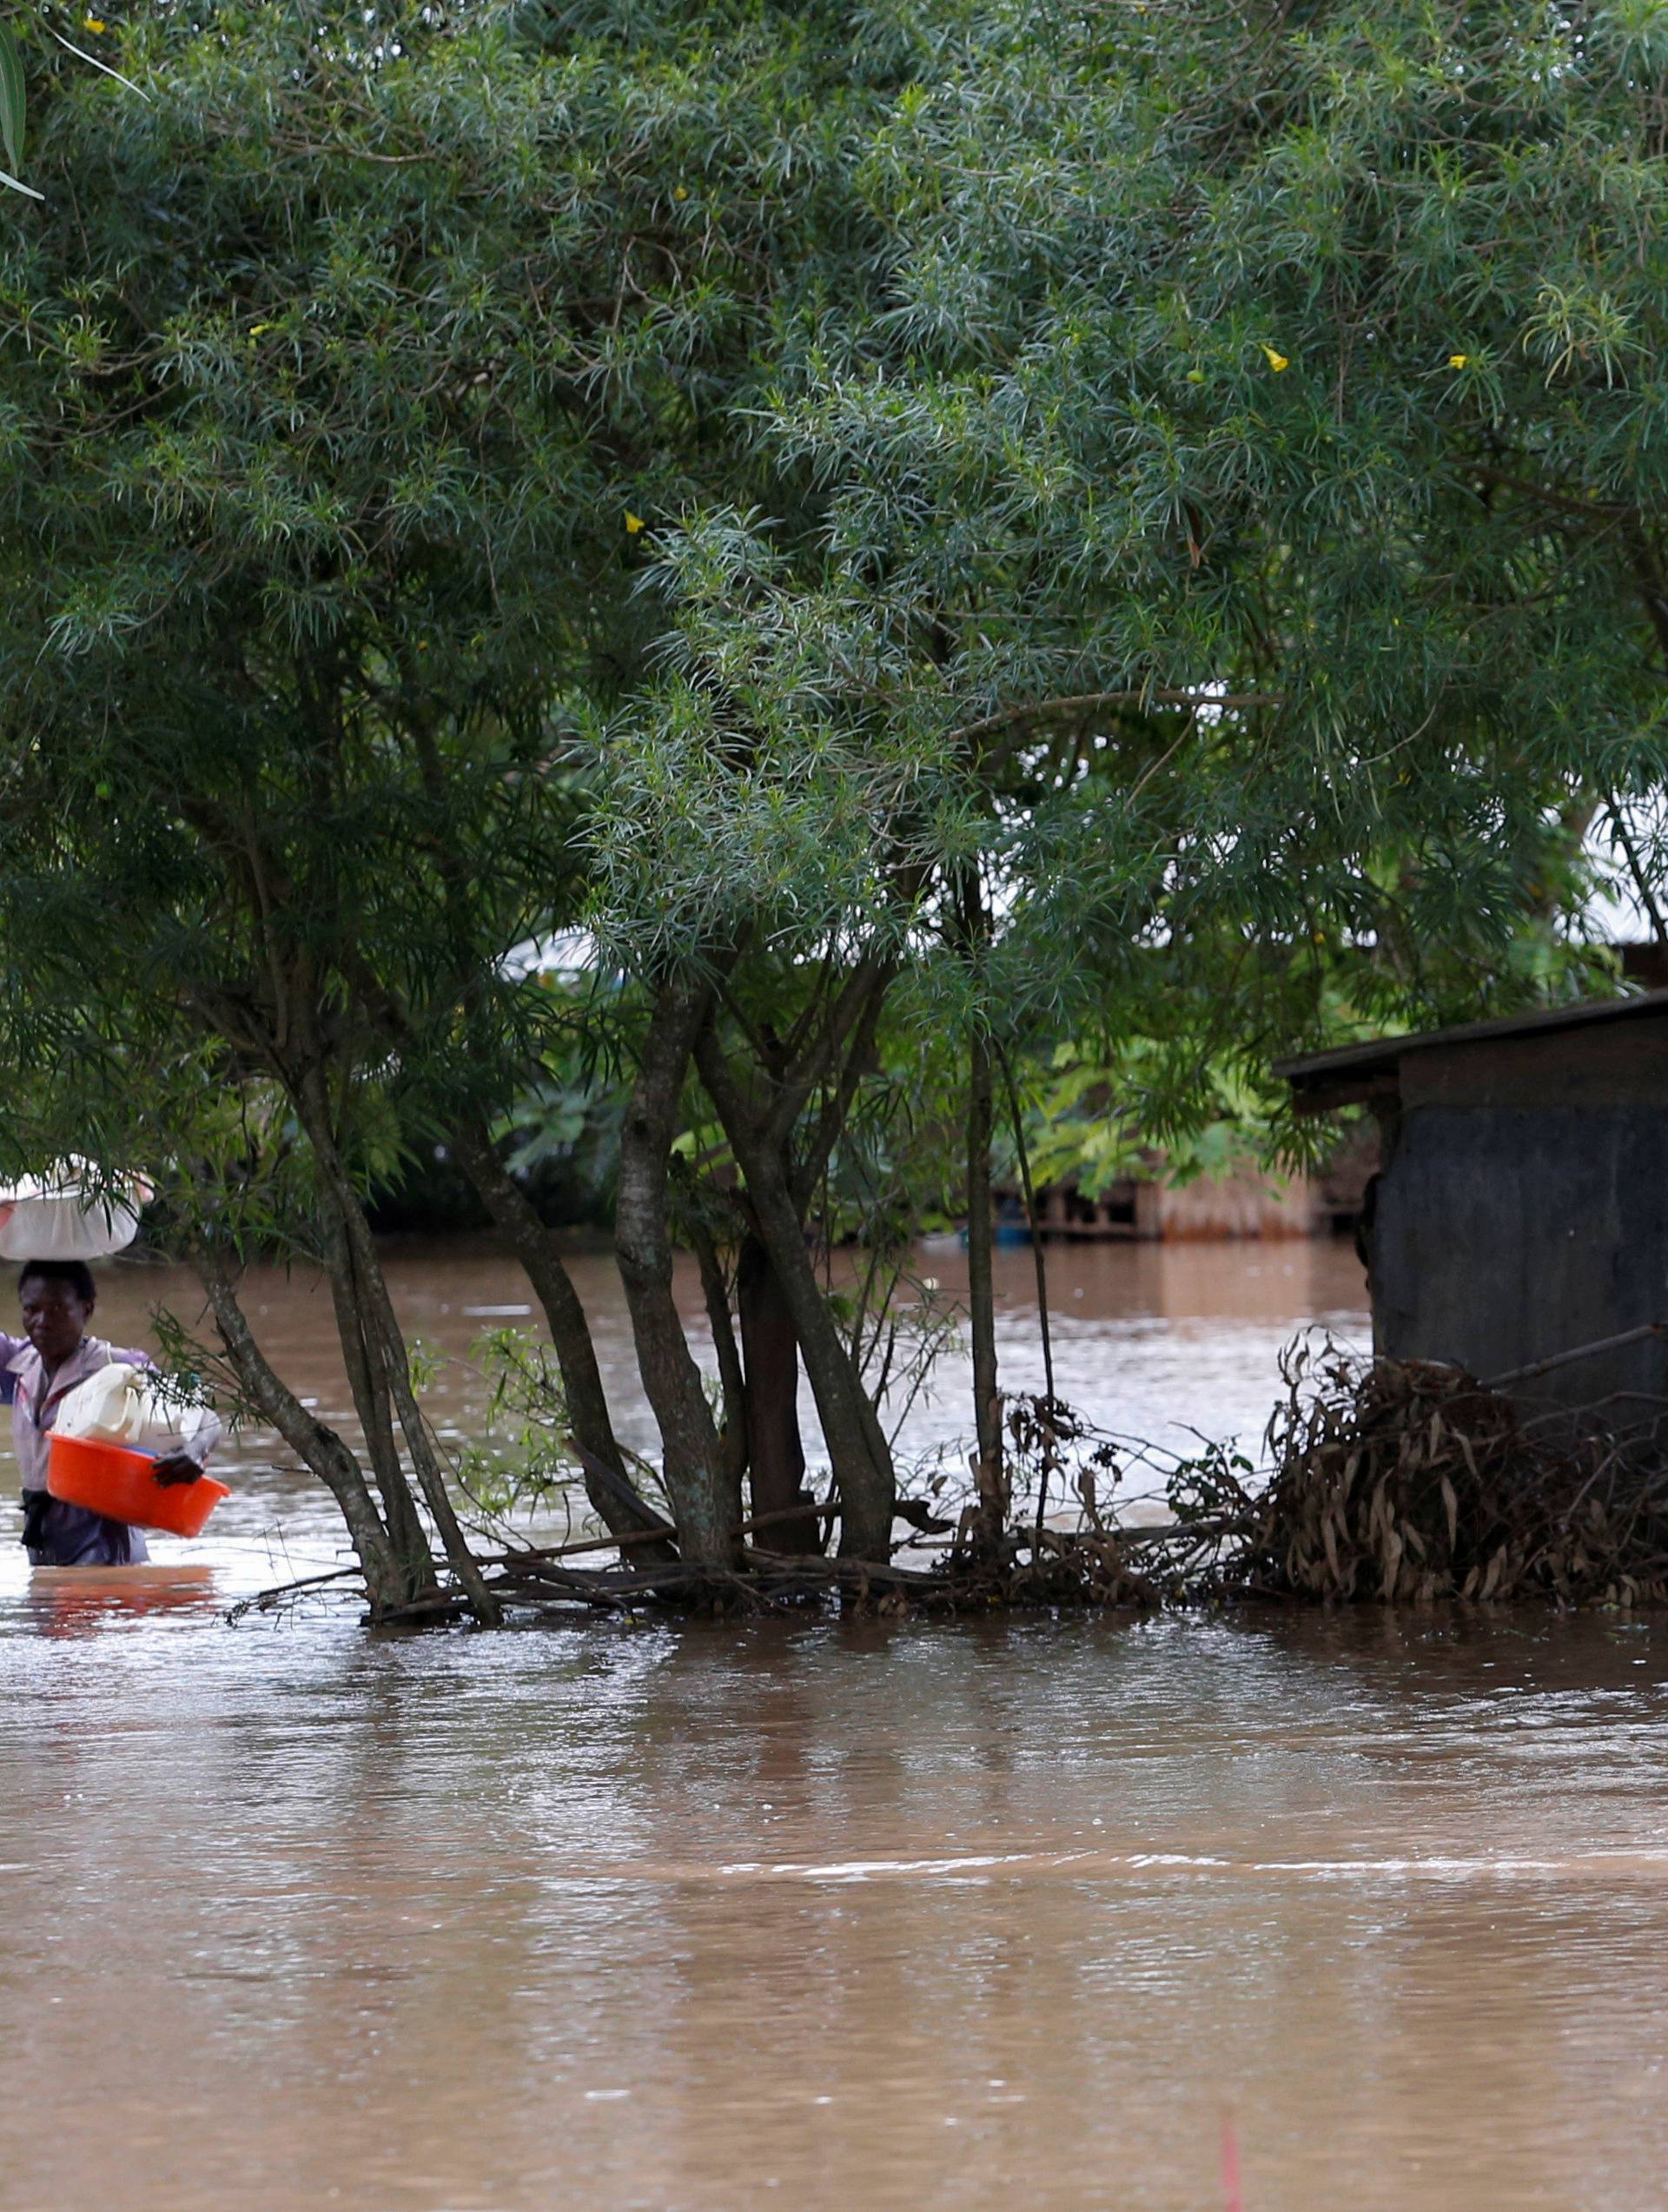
x=1047, y=710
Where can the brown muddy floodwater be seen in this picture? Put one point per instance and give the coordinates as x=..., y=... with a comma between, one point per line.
x=867, y=1916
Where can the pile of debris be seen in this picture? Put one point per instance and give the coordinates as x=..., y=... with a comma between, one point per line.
x=1405, y=1482
x=1383, y=1481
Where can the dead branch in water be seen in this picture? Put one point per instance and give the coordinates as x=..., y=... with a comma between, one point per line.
x=770, y=1584
x=1576, y=1351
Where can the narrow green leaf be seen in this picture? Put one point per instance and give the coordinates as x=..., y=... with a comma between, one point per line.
x=82, y=55
x=11, y=101
x=14, y=184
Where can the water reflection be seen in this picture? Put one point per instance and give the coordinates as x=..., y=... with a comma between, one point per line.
x=90, y=1600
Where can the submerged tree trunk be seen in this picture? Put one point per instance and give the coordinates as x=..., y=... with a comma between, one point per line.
x=715, y=1289
x=971, y=932
x=367, y=1381
x=390, y=1580
x=701, y=1480
x=858, y=1451
x=612, y=1496
x=431, y=1475
x=776, y=1451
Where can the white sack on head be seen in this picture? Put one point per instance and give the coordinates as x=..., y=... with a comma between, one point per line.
x=62, y=1215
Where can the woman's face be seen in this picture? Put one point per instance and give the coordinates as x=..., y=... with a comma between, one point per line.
x=55, y=1317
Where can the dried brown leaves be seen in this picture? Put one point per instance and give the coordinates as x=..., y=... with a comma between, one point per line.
x=1407, y=1482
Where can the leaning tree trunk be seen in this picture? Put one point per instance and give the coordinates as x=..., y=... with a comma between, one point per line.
x=384, y=1333
x=385, y=1343
x=700, y=1482
x=367, y=1381
x=390, y=1579
x=612, y=1496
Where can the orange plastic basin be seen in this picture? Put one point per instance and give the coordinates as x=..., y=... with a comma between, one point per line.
x=121, y=1486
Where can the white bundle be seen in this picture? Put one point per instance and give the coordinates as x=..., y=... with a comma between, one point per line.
x=62, y=1215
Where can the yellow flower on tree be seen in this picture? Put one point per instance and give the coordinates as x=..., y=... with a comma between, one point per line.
x=1459, y=360
x=634, y=522
x=1275, y=360
x=91, y=23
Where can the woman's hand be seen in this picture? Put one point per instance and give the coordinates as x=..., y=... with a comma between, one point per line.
x=176, y=1470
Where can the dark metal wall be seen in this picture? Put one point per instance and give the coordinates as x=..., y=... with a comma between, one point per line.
x=1503, y=1233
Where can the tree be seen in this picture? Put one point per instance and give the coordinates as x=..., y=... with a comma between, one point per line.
x=331, y=511
x=1235, y=530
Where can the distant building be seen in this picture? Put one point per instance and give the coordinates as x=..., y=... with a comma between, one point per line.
x=1521, y=1208
x=1250, y=1202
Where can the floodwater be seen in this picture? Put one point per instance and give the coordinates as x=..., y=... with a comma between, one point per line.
x=1286, y=1912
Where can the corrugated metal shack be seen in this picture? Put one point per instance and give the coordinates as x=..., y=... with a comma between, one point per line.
x=1521, y=1207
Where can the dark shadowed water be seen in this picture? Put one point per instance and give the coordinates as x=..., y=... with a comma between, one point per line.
x=839, y=1915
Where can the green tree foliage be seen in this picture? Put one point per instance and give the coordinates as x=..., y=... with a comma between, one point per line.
x=1301, y=359
x=13, y=108
x=331, y=454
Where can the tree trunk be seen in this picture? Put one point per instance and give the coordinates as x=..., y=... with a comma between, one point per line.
x=982, y=1304
x=732, y=1431
x=389, y=1580
x=776, y=1452
x=368, y=1383
x=705, y=1495
x=384, y=1345
x=615, y=1501
x=861, y=1457
x=385, y=1334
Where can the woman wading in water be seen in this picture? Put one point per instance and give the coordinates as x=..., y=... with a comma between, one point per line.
x=38, y=1369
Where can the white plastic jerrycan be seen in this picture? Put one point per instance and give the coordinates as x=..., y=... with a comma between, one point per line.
x=120, y=1404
